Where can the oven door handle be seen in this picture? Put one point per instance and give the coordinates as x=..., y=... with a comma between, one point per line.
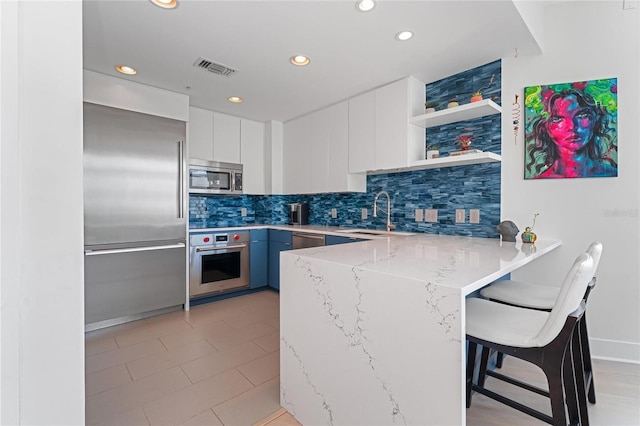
x=238, y=246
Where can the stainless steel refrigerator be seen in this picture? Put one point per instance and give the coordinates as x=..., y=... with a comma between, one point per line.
x=134, y=215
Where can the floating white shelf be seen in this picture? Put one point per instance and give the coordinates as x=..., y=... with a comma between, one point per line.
x=463, y=112
x=449, y=161
x=456, y=160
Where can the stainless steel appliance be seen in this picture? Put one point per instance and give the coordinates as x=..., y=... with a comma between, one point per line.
x=303, y=240
x=299, y=214
x=214, y=177
x=134, y=215
x=218, y=262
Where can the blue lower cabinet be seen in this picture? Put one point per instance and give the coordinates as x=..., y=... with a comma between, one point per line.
x=259, y=258
x=278, y=241
x=330, y=240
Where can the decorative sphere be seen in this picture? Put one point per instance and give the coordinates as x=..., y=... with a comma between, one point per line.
x=508, y=230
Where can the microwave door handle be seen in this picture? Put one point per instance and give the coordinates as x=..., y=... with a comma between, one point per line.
x=180, y=180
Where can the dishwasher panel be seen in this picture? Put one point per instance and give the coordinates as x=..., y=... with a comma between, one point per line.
x=302, y=240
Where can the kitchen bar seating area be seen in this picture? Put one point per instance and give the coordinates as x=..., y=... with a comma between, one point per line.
x=548, y=340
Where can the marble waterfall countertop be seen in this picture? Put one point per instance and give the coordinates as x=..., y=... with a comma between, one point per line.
x=372, y=333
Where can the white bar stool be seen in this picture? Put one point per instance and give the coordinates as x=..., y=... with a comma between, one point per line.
x=539, y=337
x=543, y=297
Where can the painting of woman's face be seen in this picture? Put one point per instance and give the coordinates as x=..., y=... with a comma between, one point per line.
x=571, y=130
x=570, y=126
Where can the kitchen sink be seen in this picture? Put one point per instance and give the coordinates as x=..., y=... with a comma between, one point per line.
x=375, y=232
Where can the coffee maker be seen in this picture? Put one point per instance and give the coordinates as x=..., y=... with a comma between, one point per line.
x=299, y=214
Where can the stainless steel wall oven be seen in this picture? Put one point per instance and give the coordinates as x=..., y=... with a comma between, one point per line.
x=218, y=262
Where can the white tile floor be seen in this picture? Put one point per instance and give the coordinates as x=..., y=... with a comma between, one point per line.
x=219, y=365
x=617, y=396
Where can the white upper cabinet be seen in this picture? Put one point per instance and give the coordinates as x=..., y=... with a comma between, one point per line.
x=200, y=133
x=380, y=136
x=252, y=156
x=226, y=138
x=399, y=143
x=362, y=136
x=213, y=136
x=339, y=178
x=297, y=156
x=316, y=153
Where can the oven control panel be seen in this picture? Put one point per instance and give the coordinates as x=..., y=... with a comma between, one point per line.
x=210, y=239
x=201, y=240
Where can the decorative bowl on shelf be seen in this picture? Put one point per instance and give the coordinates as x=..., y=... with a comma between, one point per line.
x=476, y=97
x=432, y=152
x=453, y=103
x=430, y=107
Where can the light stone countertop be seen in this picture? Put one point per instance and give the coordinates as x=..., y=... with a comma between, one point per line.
x=465, y=263
x=311, y=229
x=380, y=325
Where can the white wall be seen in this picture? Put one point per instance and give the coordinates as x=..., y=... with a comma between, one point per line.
x=41, y=215
x=115, y=92
x=585, y=41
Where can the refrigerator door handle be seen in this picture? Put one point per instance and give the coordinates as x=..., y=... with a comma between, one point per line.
x=180, y=180
x=132, y=249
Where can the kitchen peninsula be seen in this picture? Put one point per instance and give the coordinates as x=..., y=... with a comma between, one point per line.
x=373, y=333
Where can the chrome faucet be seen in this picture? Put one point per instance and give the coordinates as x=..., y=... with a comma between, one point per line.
x=390, y=225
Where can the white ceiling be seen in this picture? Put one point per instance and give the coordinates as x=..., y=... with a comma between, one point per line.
x=351, y=52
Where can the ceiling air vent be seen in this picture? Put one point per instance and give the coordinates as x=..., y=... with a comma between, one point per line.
x=214, y=67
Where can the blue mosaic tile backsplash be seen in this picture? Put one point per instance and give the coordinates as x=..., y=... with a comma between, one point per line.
x=445, y=189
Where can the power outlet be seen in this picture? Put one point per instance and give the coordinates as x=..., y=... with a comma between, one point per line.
x=419, y=215
x=243, y=212
x=365, y=213
x=430, y=215
x=474, y=216
x=460, y=215
x=334, y=213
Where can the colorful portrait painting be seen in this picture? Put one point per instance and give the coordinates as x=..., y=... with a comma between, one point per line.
x=571, y=130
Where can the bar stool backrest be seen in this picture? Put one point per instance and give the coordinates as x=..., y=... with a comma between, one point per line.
x=595, y=251
x=569, y=298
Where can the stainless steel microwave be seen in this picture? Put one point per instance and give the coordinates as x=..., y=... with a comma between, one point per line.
x=213, y=177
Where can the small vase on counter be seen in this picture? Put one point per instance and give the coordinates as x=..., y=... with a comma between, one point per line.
x=528, y=236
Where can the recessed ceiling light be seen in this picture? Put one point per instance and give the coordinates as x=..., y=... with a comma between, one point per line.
x=165, y=4
x=299, y=60
x=365, y=5
x=235, y=99
x=126, y=70
x=404, y=35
